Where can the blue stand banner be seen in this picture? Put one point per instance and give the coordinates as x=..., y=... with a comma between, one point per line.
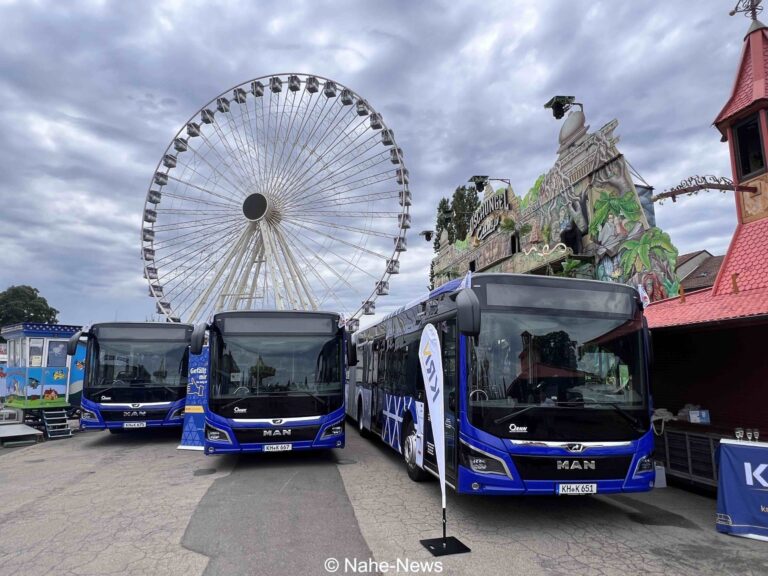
x=742, y=495
x=193, y=429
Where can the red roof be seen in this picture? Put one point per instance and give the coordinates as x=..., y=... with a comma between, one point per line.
x=752, y=79
x=747, y=259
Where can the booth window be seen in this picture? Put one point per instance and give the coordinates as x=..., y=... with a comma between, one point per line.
x=57, y=354
x=35, y=351
x=749, y=148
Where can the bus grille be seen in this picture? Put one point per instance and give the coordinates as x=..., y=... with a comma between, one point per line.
x=275, y=435
x=572, y=468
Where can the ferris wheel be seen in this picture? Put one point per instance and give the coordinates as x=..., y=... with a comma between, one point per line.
x=285, y=192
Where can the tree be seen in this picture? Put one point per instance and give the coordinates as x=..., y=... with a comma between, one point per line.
x=24, y=304
x=444, y=221
x=464, y=204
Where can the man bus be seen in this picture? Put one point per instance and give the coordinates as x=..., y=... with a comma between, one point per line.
x=546, y=386
x=275, y=381
x=135, y=374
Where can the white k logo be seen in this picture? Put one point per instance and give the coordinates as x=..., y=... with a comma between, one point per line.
x=756, y=474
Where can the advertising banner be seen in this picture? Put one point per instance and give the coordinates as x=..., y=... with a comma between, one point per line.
x=432, y=371
x=742, y=495
x=193, y=429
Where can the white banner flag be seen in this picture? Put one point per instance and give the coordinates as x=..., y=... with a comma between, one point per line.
x=432, y=371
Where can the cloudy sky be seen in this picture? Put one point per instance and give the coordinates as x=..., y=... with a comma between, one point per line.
x=92, y=93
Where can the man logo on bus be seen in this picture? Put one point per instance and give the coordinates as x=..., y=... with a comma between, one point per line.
x=431, y=371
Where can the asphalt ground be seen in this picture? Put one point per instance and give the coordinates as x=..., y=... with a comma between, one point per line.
x=132, y=504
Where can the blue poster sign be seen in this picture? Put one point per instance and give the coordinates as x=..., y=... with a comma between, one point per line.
x=193, y=429
x=742, y=495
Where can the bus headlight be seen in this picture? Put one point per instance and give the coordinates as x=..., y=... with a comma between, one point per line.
x=334, y=429
x=216, y=434
x=178, y=413
x=481, y=462
x=88, y=415
x=645, y=464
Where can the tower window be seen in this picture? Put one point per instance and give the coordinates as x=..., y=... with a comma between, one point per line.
x=749, y=148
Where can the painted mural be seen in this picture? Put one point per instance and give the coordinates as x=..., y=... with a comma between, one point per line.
x=586, y=218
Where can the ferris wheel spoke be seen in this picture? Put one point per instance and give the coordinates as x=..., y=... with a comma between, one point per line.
x=230, y=205
x=348, y=228
x=227, y=292
x=233, y=153
x=281, y=162
x=197, y=187
x=165, y=243
x=236, y=190
x=342, y=258
x=278, y=131
x=245, y=273
x=294, y=113
x=320, y=121
x=241, y=144
x=344, y=135
x=194, y=249
x=236, y=173
x=337, y=239
x=346, y=214
x=325, y=264
x=199, y=304
x=303, y=289
x=301, y=131
x=346, y=200
x=298, y=179
x=179, y=225
x=344, y=175
x=319, y=277
x=245, y=111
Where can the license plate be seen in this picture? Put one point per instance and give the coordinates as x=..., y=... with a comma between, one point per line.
x=278, y=447
x=134, y=424
x=564, y=489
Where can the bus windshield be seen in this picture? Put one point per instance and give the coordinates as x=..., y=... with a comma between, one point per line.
x=585, y=369
x=137, y=370
x=251, y=366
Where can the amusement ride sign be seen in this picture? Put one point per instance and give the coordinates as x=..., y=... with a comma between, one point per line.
x=481, y=225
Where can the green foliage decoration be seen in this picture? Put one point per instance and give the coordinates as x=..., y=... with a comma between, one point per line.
x=608, y=204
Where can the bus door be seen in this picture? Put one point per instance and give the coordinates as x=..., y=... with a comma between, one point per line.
x=377, y=384
x=448, y=343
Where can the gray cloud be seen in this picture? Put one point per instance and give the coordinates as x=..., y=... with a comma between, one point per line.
x=92, y=93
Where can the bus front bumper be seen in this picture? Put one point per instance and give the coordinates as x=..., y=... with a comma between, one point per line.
x=224, y=436
x=543, y=471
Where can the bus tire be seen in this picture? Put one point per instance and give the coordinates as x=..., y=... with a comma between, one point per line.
x=409, y=453
x=360, y=426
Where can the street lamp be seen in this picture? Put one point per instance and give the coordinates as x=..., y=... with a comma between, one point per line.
x=481, y=181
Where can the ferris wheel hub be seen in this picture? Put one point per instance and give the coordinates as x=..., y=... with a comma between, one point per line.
x=255, y=207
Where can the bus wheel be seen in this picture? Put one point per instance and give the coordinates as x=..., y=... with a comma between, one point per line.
x=409, y=454
x=360, y=428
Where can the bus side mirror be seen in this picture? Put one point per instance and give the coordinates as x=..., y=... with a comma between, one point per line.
x=468, y=312
x=351, y=352
x=73, y=342
x=197, y=340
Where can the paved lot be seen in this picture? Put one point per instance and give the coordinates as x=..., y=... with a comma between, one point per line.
x=133, y=504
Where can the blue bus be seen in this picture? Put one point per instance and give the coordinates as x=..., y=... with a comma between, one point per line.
x=276, y=381
x=546, y=386
x=135, y=374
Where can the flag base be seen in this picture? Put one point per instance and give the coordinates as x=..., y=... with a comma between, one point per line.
x=445, y=546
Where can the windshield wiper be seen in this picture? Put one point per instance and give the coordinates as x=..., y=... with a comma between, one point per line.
x=315, y=396
x=624, y=414
x=513, y=414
